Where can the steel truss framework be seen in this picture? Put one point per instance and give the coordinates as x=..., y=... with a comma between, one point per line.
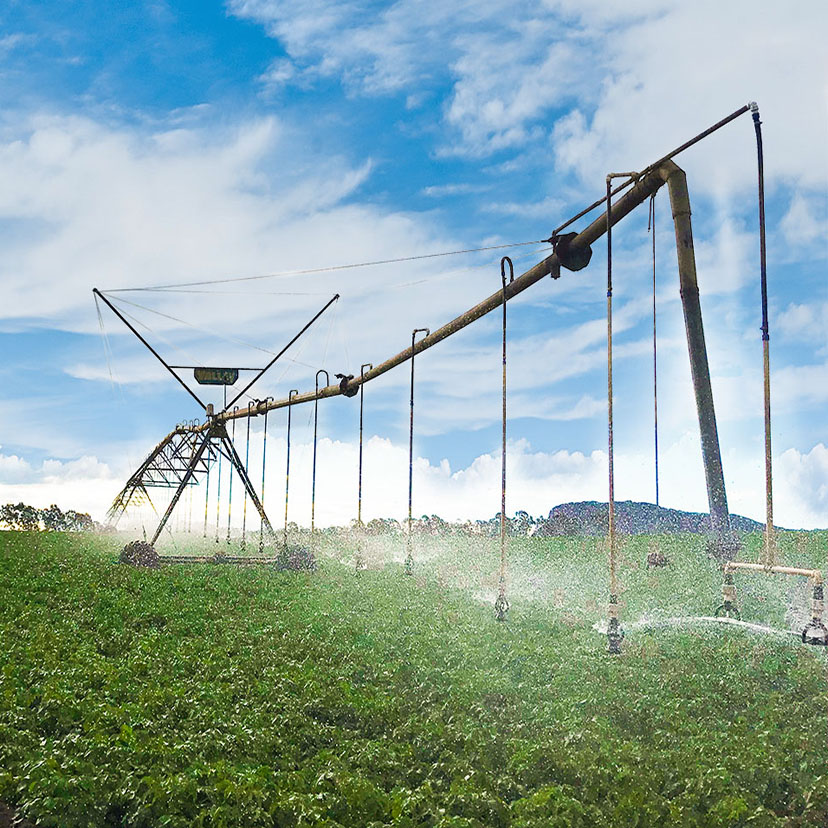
x=176, y=463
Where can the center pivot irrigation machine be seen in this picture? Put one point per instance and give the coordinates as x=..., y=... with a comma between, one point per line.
x=193, y=448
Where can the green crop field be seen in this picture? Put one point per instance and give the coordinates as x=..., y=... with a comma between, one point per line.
x=213, y=695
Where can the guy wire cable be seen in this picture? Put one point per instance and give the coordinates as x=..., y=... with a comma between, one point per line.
x=328, y=269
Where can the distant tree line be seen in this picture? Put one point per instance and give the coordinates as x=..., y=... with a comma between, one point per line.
x=521, y=524
x=52, y=519
x=582, y=518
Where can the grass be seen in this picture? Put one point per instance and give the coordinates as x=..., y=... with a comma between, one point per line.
x=217, y=696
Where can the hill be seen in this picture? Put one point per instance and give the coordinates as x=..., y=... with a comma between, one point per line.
x=631, y=518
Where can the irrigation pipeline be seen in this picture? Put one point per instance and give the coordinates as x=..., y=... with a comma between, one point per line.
x=571, y=251
x=576, y=247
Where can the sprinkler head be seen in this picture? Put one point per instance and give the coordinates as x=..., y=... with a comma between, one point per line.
x=728, y=608
x=615, y=635
x=501, y=607
x=815, y=633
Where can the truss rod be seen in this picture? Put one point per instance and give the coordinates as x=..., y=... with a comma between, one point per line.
x=148, y=346
x=269, y=364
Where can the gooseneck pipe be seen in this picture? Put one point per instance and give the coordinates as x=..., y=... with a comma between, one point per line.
x=501, y=603
x=291, y=394
x=315, y=423
x=770, y=546
x=361, y=407
x=409, y=558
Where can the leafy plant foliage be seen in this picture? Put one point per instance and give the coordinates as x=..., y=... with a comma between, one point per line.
x=220, y=696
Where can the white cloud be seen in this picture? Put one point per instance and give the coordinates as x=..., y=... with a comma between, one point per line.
x=85, y=484
x=806, y=221
x=113, y=207
x=442, y=190
x=801, y=322
x=514, y=66
x=802, y=486
x=545, y=208
x=280, y=72
x=537, y=481
x=737, y=51
x=795, y=385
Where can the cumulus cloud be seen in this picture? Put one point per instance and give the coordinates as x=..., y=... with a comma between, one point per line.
x=516, y=68
x=804, y=322
x=85, y=484
x=806, y=223
x=537, y=481
x=804, y=489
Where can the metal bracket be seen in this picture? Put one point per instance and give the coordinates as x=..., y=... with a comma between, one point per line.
x=571, y=257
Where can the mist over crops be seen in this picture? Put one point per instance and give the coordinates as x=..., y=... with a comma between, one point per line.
x=216, y=694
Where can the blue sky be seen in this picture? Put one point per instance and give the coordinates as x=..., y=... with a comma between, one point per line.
x=155, y=143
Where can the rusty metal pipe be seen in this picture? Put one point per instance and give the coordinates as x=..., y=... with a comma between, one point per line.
x=409, y=558
x=726, y=542
x=361, y=390
x=670, y=155
x=315, y=422
x=814, y=574
x=643, y=189
x=291, y=394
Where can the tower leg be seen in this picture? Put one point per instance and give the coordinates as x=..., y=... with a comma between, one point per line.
x=724, y=545
x=239, y=467
x=181, y=486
